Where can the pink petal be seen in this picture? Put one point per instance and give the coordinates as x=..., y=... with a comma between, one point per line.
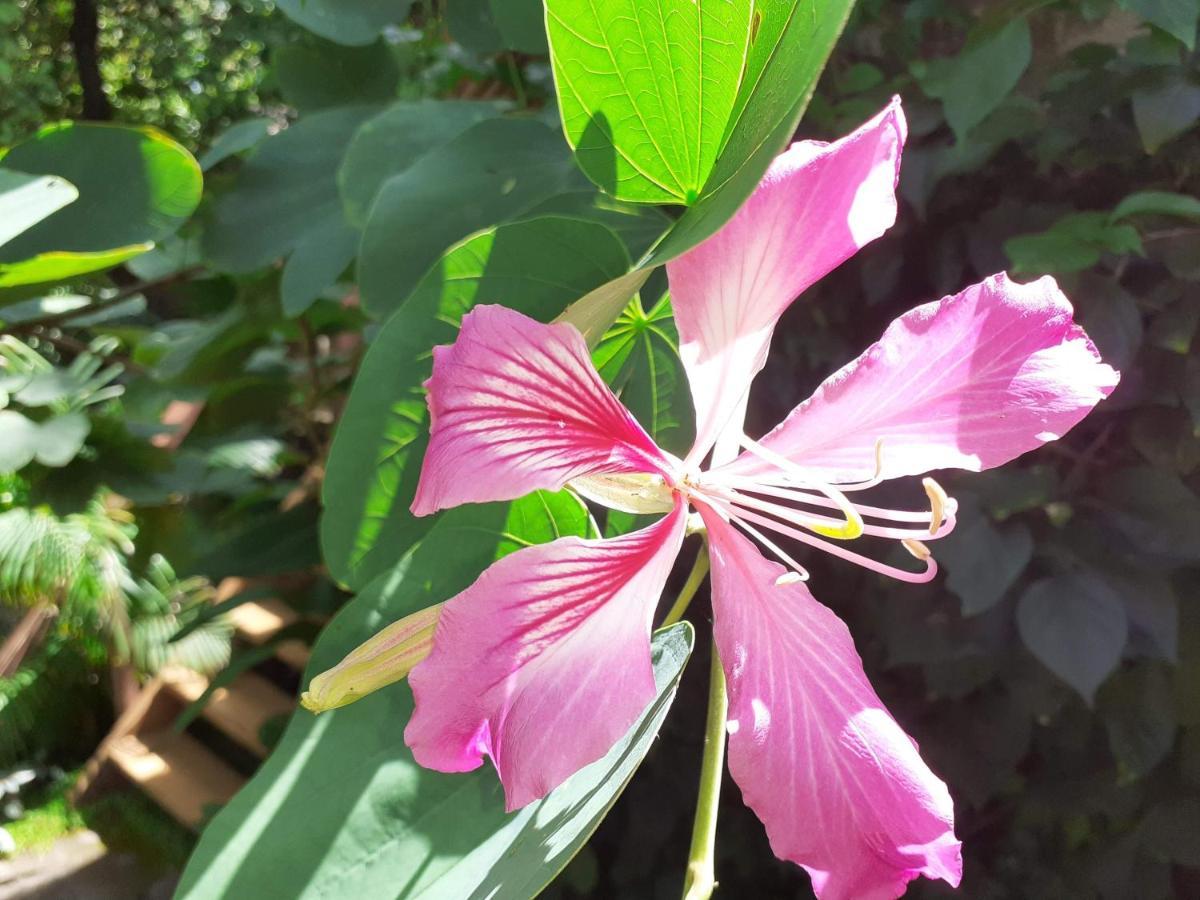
x=544, y=662
x=970, y=382
x=839, y=786
x=817, y=204
x=517, y=406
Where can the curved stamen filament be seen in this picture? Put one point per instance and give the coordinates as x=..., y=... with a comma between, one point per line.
x=774, y=548
x=805, y=520
x=851, y=528
x=740, y=516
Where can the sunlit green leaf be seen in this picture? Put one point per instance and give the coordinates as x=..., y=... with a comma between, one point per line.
x=354, y=22
x=27, y=199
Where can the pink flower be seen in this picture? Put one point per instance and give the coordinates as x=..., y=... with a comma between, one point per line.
x=544, y=663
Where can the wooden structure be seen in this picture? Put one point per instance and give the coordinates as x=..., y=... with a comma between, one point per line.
x=193, y=772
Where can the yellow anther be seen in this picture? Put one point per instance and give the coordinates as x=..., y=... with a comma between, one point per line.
x=384, y=659
x=937, y=504
x=848, y=531
x=916, y=548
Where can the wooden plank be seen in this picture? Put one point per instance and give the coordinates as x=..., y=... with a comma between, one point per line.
x=178, y=772
x=239, y=709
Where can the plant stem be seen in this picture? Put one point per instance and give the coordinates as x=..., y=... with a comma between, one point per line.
x=700, y=880
x=694, y=580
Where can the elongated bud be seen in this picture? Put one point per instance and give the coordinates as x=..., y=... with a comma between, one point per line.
x=386, y=658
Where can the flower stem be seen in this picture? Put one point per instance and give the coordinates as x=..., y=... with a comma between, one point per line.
x=700, y=880
x=694, y=580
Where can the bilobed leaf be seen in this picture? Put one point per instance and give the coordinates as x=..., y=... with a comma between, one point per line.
x=354, y=22
x=54, y=442
x=789, y=42
x=27, y=199
x=536, y=266
x=397, y=137
x=639, y=358
x=646, y=88
x=488, y=173
x=1154, y=511
x=1074, y=242
x=1075, y=623
x=136, y=186
x=284, y=193
x=974, y=83
x=638, y=226
x=341, y=808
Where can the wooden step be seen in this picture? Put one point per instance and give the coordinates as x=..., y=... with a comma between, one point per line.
x=178, y=772
x=257, y=621
x=239, y=709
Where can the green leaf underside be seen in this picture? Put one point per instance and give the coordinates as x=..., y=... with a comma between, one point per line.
x=639, y=358
x=789, y=44
x=646, y=88
x=341, y=808
x=136, y=186
x=491, y=172
x=536, y=266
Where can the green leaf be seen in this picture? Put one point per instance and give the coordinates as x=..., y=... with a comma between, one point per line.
x=390, y=142
x=646, y=89
x=1074, y=242
x=536, y=266
x=486, y=27
x=1176, y=17
x=489, y=173
x=237, y=138
x=353, y=22
x=974, y=83
x=315, y=265
x=324, y=75
x=1075, y=623
x=27, y=199
x=639, y=358
x=285, y=193
x=1158, y=203
x=1165, y=111
x=1154, y=512
x=136, y=186
x=638, y=226
x=1138, y=708
x=984, y=560
x=789, y=44
x=341, y=808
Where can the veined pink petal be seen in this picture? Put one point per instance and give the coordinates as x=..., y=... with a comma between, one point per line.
x=544, y=662
x=817, y=204
x=517, y=406
x=839, y=786
x=969, y=381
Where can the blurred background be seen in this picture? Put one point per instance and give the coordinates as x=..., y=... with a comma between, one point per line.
x=159, y=557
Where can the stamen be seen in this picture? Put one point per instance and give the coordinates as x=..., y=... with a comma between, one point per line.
x=916, y=548
x=853, y=526
x=788, y=578
x=937, y=504
x=742, y=483
x=784, y=558
x=740, y=517
x=811, y=522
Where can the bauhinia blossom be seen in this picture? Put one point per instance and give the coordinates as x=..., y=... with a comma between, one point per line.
x=544, y=662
